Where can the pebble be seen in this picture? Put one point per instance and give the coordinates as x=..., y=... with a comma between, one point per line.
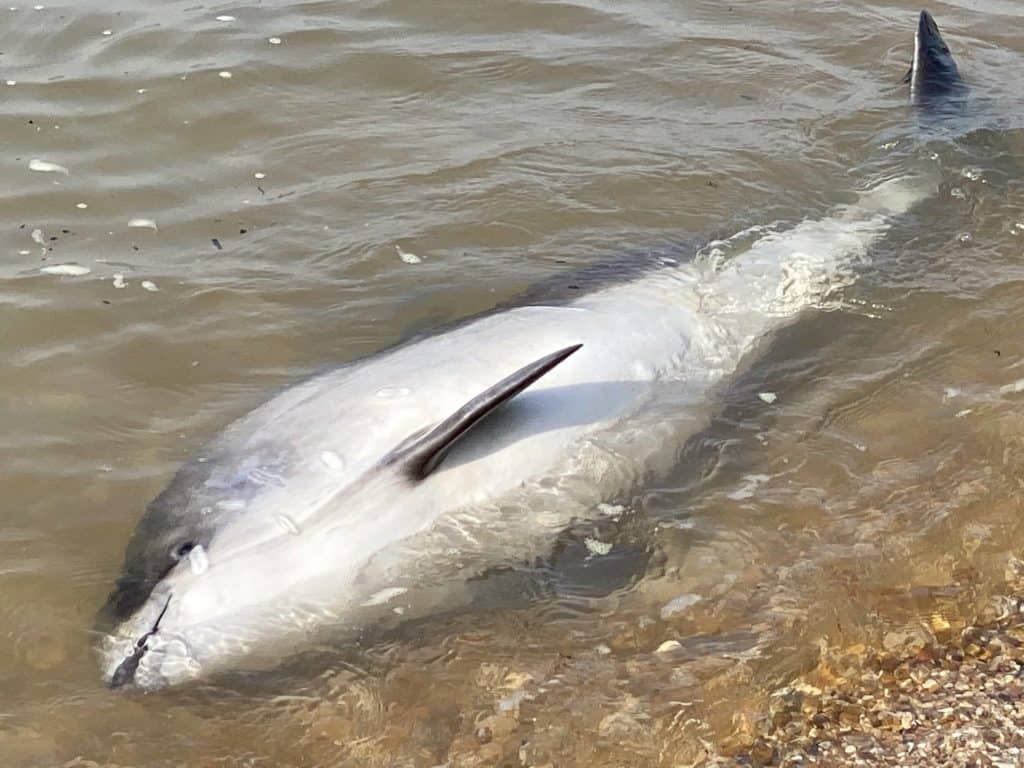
x=669, y=647
x=912, y=700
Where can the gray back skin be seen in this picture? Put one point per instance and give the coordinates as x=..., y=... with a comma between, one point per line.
x=187, y=514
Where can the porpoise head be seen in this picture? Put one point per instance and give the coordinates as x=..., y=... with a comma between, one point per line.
x=933, y=75
x=221, y=570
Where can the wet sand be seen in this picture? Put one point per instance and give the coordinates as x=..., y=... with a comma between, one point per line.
x=944, y=695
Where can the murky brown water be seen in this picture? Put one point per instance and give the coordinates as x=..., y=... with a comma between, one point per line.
x=498, y=141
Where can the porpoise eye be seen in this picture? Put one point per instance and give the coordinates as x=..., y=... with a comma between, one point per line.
x=181, y=551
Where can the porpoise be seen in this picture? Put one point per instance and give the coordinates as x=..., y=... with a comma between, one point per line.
x=376, y=490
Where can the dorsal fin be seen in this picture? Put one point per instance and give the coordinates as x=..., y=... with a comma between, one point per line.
x=419, y=456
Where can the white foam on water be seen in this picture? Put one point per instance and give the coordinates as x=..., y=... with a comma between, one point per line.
x=596, y=547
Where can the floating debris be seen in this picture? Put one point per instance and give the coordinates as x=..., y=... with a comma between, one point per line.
x=142, y=223
x=82, y=206
x=119, y=280
x=225, y=74
x=408, y=258
x=108, y=32
x=225, y=17
x=386, y=594
x=45, y=166
x=65, y=270
x=259, y=175
x=12, y=82
x=597, y=547
x=768, y=397
x=24, y=252
x=216, y=244
x=274, y=40
x=149, y=285
x=38, y=237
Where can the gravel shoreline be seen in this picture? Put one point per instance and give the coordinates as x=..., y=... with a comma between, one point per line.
x=955, y=702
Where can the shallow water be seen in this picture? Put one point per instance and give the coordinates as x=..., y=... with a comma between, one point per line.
x=502, y=143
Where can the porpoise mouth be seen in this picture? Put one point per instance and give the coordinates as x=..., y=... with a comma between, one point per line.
x=125, y=672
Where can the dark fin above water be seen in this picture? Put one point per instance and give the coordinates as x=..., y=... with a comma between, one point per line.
x=419, y=456
x=933, y=74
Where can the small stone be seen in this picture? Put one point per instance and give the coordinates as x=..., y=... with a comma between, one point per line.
x=669, y=647
x=940, y=626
